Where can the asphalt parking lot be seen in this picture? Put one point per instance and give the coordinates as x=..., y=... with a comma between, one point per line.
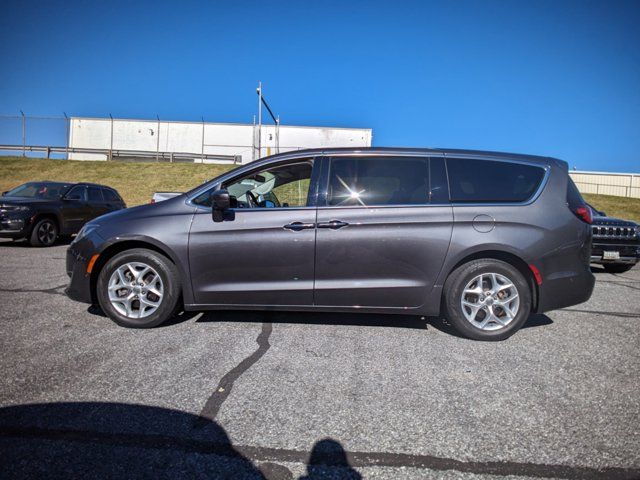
x=289, y=395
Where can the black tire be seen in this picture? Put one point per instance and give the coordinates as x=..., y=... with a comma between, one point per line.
x=617, y=268
x=44, y=233
x=168, y=273
x=453, y=291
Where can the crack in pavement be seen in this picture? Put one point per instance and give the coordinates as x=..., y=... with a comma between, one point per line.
x=222, y=391
x=599, y=312
x=621, y=284
x=629, y=279
x=50, y=291
x=355, y=459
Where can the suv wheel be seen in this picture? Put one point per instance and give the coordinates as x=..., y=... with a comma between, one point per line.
x=44, y=233
x=619, y=268
x=487, y=300
x=139, y=288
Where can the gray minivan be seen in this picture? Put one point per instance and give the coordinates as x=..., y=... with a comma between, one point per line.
x=483, y=238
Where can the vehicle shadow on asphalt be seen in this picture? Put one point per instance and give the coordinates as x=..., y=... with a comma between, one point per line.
x=350, y=319
x=316, y=318
x=117, y=440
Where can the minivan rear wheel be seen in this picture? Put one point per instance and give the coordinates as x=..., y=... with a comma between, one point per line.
x=138, y=288
x=487, y=299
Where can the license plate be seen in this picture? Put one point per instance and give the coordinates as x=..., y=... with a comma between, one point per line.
x=611, y=256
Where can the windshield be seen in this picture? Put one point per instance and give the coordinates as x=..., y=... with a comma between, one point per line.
x=38, y=190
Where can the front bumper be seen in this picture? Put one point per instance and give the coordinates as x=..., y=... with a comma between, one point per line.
x=629, y=253
x=79, y=288
x=79, y=254
x=14, y=226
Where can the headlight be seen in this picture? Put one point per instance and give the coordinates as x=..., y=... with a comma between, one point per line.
x=86, y=230
x=15, y=208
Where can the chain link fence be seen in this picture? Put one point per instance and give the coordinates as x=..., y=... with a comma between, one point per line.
x=19, y=134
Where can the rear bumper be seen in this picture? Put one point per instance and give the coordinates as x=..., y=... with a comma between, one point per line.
x=564, y=289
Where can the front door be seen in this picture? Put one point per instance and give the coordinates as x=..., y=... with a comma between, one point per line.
x=74, y=209
x=384, y=225
x=263, y=253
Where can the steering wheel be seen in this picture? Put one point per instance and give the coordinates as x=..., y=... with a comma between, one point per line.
x=253, y=201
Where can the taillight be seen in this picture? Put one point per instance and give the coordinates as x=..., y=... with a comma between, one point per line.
x=153, y=200
x=584, y=214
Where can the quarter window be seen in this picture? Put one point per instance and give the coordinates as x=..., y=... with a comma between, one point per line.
x=110, y=195
x=488, y=181
x=371, y=181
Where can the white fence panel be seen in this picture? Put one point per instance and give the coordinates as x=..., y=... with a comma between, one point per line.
x=605, y=183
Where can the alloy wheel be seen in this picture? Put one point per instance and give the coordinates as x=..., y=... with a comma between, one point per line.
x=47, y=233
x=490, y=301
x=135, y=290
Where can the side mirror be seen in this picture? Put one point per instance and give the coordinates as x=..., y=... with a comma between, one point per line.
x=220, y=203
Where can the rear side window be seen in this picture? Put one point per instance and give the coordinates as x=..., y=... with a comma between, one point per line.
x=488, y=181
x=95, y=194
x=110, y=195
x=370, y=181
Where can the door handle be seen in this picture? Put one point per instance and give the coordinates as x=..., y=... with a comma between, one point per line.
x=333, y=224
x=297, y=226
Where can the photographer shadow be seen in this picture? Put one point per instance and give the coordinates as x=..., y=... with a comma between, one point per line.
x=117, y=440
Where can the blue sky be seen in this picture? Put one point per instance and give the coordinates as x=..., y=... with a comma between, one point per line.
x=558, y=78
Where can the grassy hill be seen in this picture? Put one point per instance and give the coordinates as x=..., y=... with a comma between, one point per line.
x=136, y=182
x=620, y=207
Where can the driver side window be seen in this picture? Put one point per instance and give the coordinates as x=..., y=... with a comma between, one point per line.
x=280, y=186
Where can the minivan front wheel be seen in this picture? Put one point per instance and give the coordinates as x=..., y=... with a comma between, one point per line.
x=138, y=288
x=487, y=299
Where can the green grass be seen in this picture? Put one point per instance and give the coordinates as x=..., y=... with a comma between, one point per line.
x=620, y=207
x=136, y=182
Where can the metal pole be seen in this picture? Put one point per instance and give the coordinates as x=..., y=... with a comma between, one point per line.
x=202, y=152
x=111, y=144
x=259, y=119
x=253, y=140
x=158, y=140
x=24, y=133
x=68, y=123
x=278, y=134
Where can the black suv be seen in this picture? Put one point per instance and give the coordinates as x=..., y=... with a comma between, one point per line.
x=484, y=238
x=616, y=242
x=41, y=211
